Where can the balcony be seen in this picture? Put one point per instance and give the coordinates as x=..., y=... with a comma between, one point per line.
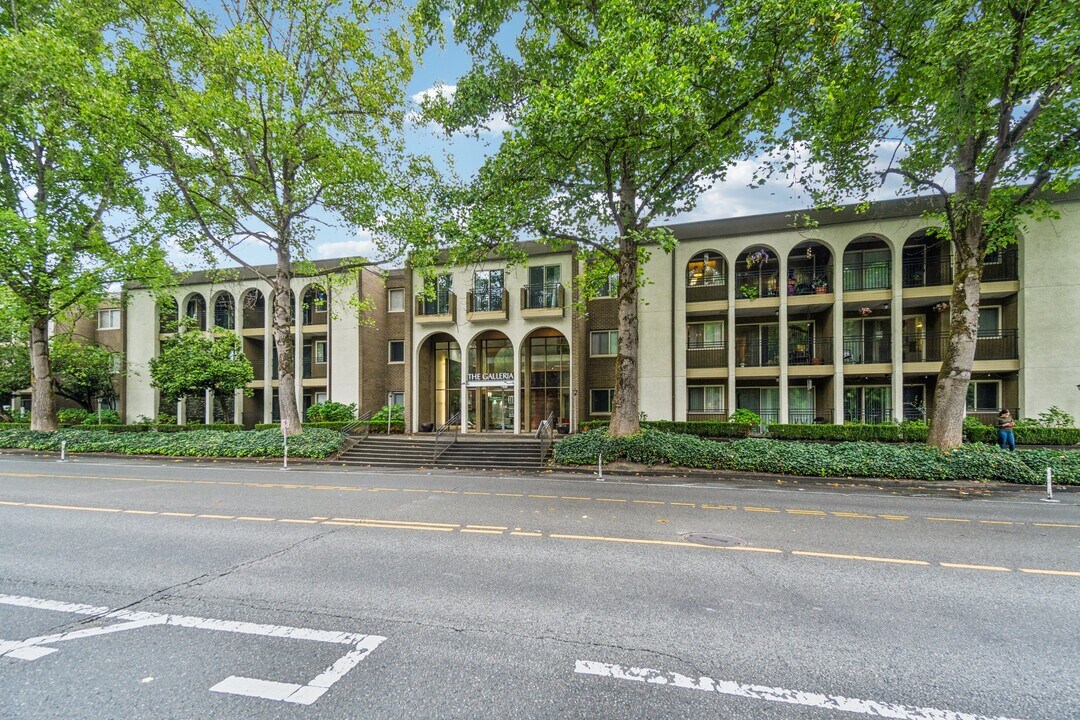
x=809, y=281
x=314, y=371
x=706, y=289
x=442, y=308
x=818, y=351
x=1002, y=265
x=757, y=354
x=543, y=300
x=867, y=276
x=706, y=355
x=868, y=415
x=927, y=272
x=809, y=417
x=719, y=415
x=754, y=285
x=991, y=345
x=861, y=350
x=493, y=304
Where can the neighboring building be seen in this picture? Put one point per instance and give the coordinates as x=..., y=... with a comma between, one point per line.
x=843, y=322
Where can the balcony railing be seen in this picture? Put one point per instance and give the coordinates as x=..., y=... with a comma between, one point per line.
x=867, y=276
x=810, y=281
x=543, y=296
x=1002, y=265
x=927, y=273
x=809, y=417
x=719, y=415
x=989, y=417
x=818, y=351
x=493, y=300
x=757, y=354
x=314, y=370
x=767, y=415
x=706, y=355
x=753, y=285
x=441, y=304
x=870, y=416
x=863, y=350
x=991, y=345
x=704, y=289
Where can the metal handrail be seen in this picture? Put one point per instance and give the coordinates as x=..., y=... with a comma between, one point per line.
x=363, y=421
x=546, y=434
x=455, y=422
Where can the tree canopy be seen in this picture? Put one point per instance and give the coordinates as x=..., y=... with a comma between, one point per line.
x=83, y=371
x=192, y=362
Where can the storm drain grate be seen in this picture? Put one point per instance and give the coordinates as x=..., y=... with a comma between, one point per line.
x=713, y=539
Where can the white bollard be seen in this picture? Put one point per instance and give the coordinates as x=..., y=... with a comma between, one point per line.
x=285, y=458
x=1049, y=486
x=601, y=459
x=63, y=451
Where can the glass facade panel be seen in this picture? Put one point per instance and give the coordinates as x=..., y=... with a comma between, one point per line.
x=546, y=381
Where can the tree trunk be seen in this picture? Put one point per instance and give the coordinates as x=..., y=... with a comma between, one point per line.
x=286, y=355
x=624, y=416
x=42, y=384
x=950, y=394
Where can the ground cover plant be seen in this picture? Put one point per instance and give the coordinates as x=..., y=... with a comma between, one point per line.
x=313, y=443
x=843, y=459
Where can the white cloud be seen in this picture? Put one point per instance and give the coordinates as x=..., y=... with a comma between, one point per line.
x=363, y=245
x=446, y=92
x=497, y=124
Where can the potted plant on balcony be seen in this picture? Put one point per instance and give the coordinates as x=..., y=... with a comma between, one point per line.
x=821, y=285
x=758, y=257
x=749, y=292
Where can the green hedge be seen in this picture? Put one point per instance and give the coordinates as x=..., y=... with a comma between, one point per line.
x=906, y=432
x=700, y=428
x=845, y=459
x=222, y=427
x=1028, y=435
x=376, y=428
x=314, y=443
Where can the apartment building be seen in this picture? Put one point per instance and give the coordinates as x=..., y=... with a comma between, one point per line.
x=844, y=321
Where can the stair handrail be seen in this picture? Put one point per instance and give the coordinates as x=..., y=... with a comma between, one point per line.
x=546, y=434
x=444, y=429
x=364, y=421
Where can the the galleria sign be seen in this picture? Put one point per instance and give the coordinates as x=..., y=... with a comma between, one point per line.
x=490, y=379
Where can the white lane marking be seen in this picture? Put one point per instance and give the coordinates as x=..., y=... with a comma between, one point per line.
x=361, y=645
x=773, y=694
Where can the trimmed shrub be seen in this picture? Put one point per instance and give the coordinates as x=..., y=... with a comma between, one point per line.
x=331, y=412
x=1028, y=435
x=71, y=416
x=744, y=416
x=904, y=432
x=314, y=443
x=701, y=428
x=104, y=417
x=844, y=459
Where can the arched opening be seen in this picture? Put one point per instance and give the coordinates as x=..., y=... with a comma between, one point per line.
x=926, y=260
x=314, y=305
x=490, y=383
x=225, y=311
x=867, y=265
x=439, y=381
x=254, y=309
x=545, y=379
x=757, y=273
x=168, y=315
x=809, y=269
x=706, y=277
x=195, y=310
x=292, y=306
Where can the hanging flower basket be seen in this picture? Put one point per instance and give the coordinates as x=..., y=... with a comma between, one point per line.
x=941, y=307
x=864, y=311
x=758, y=257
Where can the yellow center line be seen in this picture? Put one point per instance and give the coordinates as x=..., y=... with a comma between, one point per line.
x=470, y=492
x=8, y=502
x=217, y=517
x=940, y=519
x=760, y=509
x=487, y=527
x=572, y=497
x=997, y=522
x=1050, y=572
x=893, y=517
x=650, y=502
x=177, y=514
x=415, y=490
x=868, y=558
x=683, y=504
x=818, y=513
x=482, y=532
x=1056, y=525
x=718, y=507
x=141, y=512
x=854, y=515
x=388, y=527
x=609, y=500
x=526, y=534
x=72, y=507
x=510, y=494
x=256, y=519
x=298, y=520
x=962, y=566
x=397, y=522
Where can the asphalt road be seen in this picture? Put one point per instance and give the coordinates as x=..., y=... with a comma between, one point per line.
x=142, y=589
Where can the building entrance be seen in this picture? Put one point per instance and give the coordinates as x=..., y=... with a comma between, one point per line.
x=489, y=384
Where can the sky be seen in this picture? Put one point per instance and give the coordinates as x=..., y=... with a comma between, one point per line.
x=442, y=66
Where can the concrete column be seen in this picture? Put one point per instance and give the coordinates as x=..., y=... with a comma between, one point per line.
x=298, y=352
x=238, y=328
x=896, y=327
x=181, y=412
x=268, y=359
x=464, y=397
x=208, y=407
x=838, y=337
x=518, y=411
x=729, y=391
x=782, y=350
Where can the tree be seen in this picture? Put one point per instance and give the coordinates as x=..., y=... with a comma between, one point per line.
x=70, y=209
x=979, y=95
x=82, y=372
x=622, y=113
x=192, y=362
x=268, y=117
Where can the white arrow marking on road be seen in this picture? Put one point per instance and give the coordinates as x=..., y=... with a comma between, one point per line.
x=773, y=694
x=362, y=645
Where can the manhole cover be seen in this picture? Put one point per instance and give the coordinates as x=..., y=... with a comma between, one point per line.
x=713, y=539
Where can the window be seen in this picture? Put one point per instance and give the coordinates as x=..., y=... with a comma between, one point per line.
x=320, y=397
x=990, y=321
x=397, y=398
x=604, y=343
x=706, y=334
x=543, y=290
x=395, y=300
x=320, y=352
x=601, y=401
x=705, y=399
x=116, y=363
x=984, y=395
x=439, y=301
x=487, y=291
x=109, y=319
x=705, y=269
x=397, y=351
x=610, y=286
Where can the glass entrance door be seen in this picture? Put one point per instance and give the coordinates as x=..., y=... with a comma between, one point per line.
x=492, y=409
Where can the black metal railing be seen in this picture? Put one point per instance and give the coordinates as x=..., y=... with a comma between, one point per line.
x=927, y=272
x=867, y=276
x=543, y=296
x=990, y=345
x=862, y=350
x=706, y=288
x=441, y=304
x=1002, y=265
x=758, y=284
x=810, y=417
x=546, y=434
x=768, y=415
x=818, y=351
x=254, y=319
x=360, y=427
x=706, y=355
x=719, y=415
x=492, y=300
x=757, y=354
x=809, y=281
x=869, y=416
x=450, y=430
